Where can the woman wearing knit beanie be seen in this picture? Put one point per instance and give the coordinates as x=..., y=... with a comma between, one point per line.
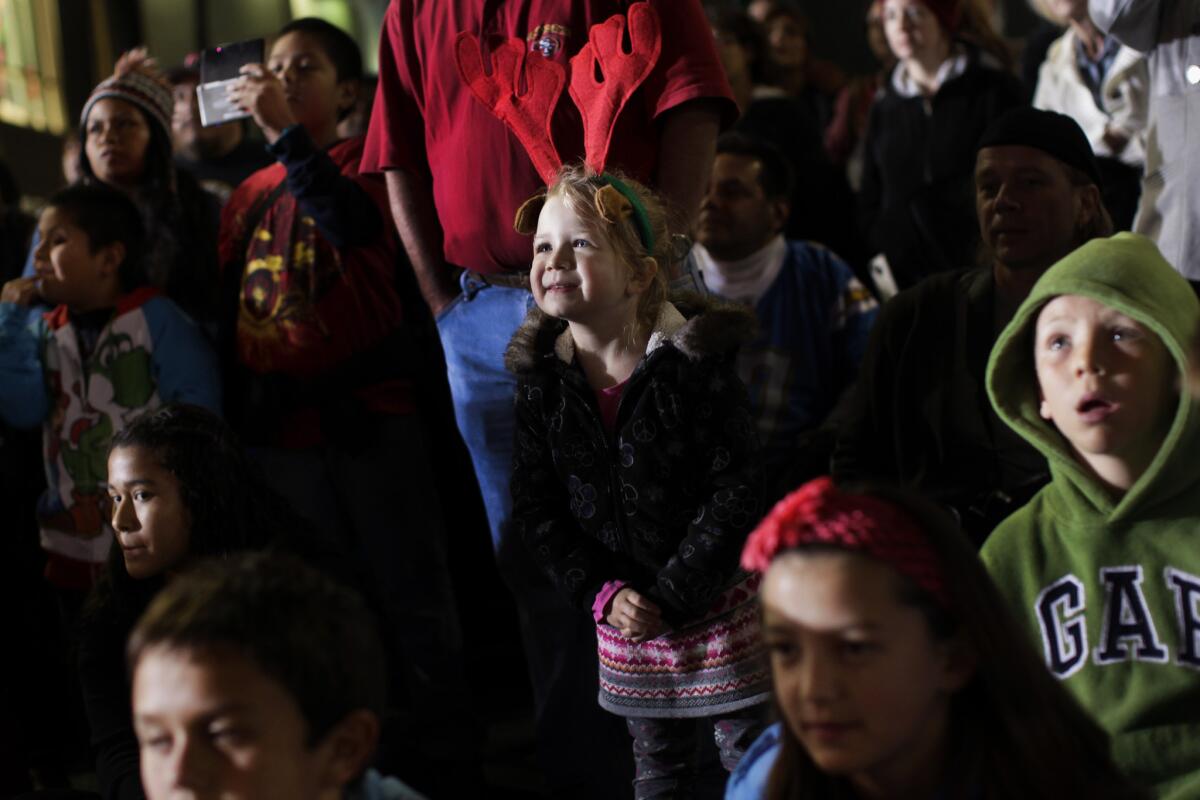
x=125, y=132
x=951, y=80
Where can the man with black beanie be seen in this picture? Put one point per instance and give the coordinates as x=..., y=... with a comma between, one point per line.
x=920, y=416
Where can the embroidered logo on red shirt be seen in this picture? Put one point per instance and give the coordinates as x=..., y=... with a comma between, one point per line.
x=549, y=39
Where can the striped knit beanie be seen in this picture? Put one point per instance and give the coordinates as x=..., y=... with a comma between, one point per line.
x=135, y=84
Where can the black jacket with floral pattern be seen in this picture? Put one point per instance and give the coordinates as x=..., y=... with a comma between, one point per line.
x=666, y=501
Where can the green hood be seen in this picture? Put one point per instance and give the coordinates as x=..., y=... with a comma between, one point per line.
x=1126, y=273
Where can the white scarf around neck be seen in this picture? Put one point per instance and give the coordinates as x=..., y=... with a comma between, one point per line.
x=747, y=279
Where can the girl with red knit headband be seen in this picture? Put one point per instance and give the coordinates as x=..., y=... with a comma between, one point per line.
x=897, y=670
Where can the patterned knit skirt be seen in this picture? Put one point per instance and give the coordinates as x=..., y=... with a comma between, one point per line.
x=714, y=666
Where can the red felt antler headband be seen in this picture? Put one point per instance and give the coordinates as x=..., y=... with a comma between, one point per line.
x=603, y=78
x=820, y=513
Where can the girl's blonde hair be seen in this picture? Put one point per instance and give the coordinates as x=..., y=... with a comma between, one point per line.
x=596, y=201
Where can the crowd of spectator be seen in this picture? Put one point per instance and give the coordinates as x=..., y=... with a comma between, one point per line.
x=834, y=435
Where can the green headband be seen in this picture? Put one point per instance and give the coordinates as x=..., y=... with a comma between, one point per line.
x=645, y=233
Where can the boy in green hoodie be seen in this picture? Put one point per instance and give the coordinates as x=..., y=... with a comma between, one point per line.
x=1103, y=564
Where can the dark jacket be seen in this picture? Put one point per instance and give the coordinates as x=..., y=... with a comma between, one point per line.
x=920, y=415
x=917, y=199
x=666, y=501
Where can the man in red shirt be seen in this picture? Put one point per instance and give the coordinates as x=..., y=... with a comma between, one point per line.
x=455, y=177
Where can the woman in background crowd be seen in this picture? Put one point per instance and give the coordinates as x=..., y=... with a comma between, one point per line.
x=844, y=134
x=951, y=80
x=125, y=129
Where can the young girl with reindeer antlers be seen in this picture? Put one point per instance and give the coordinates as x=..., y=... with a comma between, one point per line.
x=635, y=476
x=635, y=473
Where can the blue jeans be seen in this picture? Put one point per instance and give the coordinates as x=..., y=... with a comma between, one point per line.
x=475, y=330
x=583, y=750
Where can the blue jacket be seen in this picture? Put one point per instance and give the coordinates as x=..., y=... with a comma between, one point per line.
x=814, y=324
x=748, y=781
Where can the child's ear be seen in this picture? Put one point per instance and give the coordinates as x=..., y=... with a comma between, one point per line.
x=1044, y=408
x=347, y=95
x=959, y=667
x=346, y=749
x=112, y=256
x=641, y=280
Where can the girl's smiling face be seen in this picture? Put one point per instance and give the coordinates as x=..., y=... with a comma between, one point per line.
x=577, y=274
x=862, y=683
x=151, y=521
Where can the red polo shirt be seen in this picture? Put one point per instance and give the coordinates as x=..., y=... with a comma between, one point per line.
x=426, y=121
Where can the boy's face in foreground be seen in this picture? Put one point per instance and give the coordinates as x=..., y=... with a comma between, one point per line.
x=1107, y=382
x=211, y=724
x=67, y=269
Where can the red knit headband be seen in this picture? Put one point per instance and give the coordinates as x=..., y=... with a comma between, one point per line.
x=820, y=513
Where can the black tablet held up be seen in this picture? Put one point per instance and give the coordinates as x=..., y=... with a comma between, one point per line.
x=219, y=67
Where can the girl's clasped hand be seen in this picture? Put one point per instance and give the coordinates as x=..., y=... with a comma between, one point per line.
x=635, y=616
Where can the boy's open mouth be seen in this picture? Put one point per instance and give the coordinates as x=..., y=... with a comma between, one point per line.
x=1093, y=407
